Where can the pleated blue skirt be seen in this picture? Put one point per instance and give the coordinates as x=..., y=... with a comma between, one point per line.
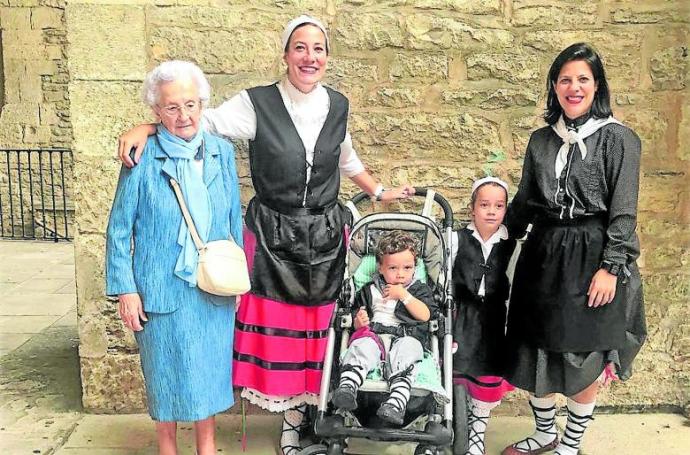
x=186, y=357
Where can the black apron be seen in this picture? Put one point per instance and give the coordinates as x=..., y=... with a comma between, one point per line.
x=299, y=227
x=479, y=324
x=548, y=306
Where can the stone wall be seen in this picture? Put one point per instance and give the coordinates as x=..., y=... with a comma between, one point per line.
x=34, y=113
x=441, y=92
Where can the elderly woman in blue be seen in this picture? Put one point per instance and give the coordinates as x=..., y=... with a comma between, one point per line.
x=184, y=334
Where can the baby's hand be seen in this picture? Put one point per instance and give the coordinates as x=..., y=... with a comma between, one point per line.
x=395, y=291
x=361, y=318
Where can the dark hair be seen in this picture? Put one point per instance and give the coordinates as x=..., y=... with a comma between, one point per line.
x=473, y=198
x=396, y=242
x=304, y=24
x=601, y=106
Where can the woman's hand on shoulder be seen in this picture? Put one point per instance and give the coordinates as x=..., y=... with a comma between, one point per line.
x=602, y=289
x=132, y=311
x=134, y=139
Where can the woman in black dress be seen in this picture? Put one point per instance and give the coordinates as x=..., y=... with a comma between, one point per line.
x=576, y=316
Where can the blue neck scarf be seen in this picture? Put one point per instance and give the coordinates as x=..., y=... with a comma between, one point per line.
x=195, y=195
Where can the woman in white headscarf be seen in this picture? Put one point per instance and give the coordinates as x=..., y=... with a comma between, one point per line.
x=294, y=237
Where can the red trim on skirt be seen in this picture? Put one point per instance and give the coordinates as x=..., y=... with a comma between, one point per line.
x=491, y=389
x=271, y=350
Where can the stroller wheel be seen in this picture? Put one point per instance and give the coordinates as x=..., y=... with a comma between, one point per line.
x=427, y=450
x=314, y=449
x=460, y=427
x=335, y=448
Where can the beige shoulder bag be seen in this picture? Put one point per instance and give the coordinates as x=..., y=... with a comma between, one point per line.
x=222, y=268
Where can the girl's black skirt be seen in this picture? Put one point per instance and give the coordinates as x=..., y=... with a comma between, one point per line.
x=556, y=343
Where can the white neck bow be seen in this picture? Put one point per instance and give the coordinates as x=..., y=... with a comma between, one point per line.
x=569, y=137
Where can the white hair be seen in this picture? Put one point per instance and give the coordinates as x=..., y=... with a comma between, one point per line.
x=174, y=70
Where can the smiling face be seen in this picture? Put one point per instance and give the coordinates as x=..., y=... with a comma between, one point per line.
x=397, y=268
x=179, y=108
x=489, y=209
x=575, y=88
x=306, y=57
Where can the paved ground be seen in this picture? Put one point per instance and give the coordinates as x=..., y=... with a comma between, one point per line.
x=40, y=407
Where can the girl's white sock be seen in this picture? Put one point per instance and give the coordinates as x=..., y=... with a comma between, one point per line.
x=579, y=415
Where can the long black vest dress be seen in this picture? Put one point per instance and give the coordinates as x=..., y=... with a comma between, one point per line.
x=479, y=326
x=300, y=254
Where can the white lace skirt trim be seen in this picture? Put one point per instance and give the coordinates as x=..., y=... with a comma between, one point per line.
x=275, y=403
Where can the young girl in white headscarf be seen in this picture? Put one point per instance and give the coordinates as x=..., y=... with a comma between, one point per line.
x=481, y=288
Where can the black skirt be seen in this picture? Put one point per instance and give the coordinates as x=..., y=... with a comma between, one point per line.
x=479, y=330
x=556, y=343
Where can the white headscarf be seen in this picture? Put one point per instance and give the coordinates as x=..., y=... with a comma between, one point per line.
x=301, y=20
x=484, y=180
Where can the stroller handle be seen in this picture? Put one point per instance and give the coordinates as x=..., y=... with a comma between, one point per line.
x=419, y=191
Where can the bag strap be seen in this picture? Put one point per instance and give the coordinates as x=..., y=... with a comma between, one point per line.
x=185, y=214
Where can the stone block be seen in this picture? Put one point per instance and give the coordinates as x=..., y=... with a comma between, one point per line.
x=10, y=134
x=661, y=192
x=107, y=42
x=43, y=17
x=368, y=31
x=94, y=188
x=21, y=113
x=650, y=13
x=684, y=131
x=651, y=123
x=491, y=99
x=669, y=68
x=93, y=343
x=352, y=68
x=443, y=138
x=479, y=7
x=510, y=67
x=394, y=97
x=48, y=114
x=221, y=18
x=619, y=49
x=45, y=68
x=37, y=135
x=201, y=46
x=90, y=266
x=565, y=13
x=425, y=31
x=419, y=67
x=113, y=384
x=225, y=86
x=15, y=19
x=101, y=112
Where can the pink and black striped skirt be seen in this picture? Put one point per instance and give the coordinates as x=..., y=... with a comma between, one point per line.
x=279, y=347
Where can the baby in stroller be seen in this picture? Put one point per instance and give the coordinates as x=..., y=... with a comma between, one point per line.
x=390, y=318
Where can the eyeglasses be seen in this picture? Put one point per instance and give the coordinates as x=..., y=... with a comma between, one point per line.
x=172, y=110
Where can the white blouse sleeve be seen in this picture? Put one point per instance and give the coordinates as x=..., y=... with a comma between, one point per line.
x=350, y=164
x=454, y=244
x=235, y=118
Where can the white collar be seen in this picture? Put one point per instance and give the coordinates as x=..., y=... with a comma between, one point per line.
x=297, y=96
x=500, y=234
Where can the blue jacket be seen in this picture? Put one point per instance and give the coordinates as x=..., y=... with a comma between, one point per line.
x=145, y=209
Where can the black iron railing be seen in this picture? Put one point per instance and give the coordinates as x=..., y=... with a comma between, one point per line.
x=35, y=194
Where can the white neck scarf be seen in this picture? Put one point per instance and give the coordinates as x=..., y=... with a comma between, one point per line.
x=590, y=127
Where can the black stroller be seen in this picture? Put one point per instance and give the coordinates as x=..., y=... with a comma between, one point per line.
x=436, y=410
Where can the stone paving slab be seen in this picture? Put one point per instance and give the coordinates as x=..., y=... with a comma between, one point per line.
x=630, y=434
